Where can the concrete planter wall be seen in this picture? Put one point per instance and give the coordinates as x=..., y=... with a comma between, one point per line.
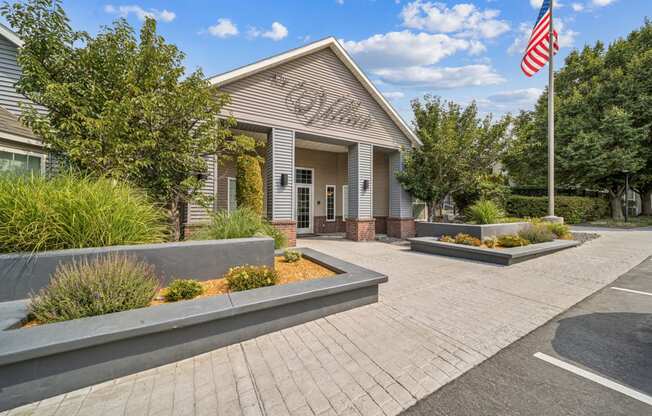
x=47, y=360
x=481, y=231
x=23, y=273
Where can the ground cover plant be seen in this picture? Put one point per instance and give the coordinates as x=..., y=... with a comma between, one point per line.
x=512, y=240
x=467, y=240
x=250, y=277
x=183, y=289
x=240, y=223
x=537, y=233
x=292, y=256
x=68, y=211
x=87, y=288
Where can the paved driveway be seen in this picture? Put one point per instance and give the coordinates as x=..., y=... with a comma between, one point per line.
x=437, y=318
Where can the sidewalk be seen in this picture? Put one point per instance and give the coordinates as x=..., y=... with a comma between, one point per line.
x=437, y=318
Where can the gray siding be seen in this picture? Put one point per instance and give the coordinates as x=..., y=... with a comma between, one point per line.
x=258, y=100
x=280, y=148
x=381, y=184
x=400, y=202
x=197, y=213
x=9, y=76
x=360, y=168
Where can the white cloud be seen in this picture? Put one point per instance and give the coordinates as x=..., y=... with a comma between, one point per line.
x=339, y=2
x=394, y=95
x=124, y=11
x=602, y=3
x=464, y=19
x=276, y=33
x=224, y=28
x=566, y=37
x=405, y=48
x=527, y=96
x=578, y=7
x=453, y=77
x=537, y=4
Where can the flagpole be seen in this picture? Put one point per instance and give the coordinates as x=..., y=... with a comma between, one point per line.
x=551, y=119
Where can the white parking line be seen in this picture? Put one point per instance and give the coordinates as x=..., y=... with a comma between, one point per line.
x=631, y=291
x=634, y=394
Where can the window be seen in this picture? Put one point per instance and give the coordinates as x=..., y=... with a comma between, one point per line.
x=345, y=201
x=15, y=161
x=232, y=202
x=330, y=203
x=304, y=176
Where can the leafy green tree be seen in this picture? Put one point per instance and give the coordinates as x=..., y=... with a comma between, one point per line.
x=249, y=183
x=603, y=119
x=457, y=147
x=120, y=105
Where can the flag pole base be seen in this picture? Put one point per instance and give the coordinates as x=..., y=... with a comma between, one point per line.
x=553, y=219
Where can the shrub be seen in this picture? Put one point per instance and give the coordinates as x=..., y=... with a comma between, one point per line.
x=446, y=239
x=179, y=289
x=562, y=231
x=536, y=233
x=240, y=223
x=250, y=277
x=492, y=187
x=37, y=213
x=105, y=285
x=484, y=212
x=574, y=209
x=292, y=256
x=467, y=240
x=491, y=242
x=512, y=240
x=249, y=184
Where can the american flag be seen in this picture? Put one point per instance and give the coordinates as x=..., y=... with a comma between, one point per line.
x=538, y=48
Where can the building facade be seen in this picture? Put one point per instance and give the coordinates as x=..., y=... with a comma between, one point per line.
x=332, y=145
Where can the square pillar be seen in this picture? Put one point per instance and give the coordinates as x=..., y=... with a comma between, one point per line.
x=360, y=224
x=400, y=223
x=279, y=182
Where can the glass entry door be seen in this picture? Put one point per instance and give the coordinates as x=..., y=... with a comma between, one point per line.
x=303, y=198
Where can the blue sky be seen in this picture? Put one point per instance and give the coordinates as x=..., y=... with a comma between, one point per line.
x=461, y=50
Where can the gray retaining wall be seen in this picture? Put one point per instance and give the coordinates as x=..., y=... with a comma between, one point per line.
x=23, y=273
x=481, y=231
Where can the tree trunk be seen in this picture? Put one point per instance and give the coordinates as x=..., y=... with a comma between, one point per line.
x=431, y=211
x=646, y=197
x=616, y=204
x=175, y=218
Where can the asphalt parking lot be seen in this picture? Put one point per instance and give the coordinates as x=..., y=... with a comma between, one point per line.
x=594, y=359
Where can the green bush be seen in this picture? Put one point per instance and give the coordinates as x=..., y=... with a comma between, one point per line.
x=250, y=277
x=292, y=256
x=536, y=233
x=492, y=187
x=484, y=212
x=467, y=240
x=574, y=209
x=512, y=240
x=240, y=223
x=249, y=184
x=560, y=230
x=105, y=285
x=179, y=289
x=37, y=213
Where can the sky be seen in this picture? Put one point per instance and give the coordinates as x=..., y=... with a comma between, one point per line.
x=460, y=50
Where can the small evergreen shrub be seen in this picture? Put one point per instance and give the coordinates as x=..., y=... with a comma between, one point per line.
x=66, y=211
x=562, y=231
x=467, y=240
x=536, y=233
x=292, y=256
x=484, y=212
x=446, y=239
x=512, y=240
x=250, y=277
x=240, y=223
x=249, y=184
x=105, y=285
x=574, y=209
x=183, y=289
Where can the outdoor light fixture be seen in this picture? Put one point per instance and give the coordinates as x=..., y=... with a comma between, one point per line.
x=284, y=179
x=365, y=184
x=201, y=176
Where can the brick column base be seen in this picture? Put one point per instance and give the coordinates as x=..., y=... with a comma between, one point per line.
x=401, y=227
x=289, y=228
x=360, y=230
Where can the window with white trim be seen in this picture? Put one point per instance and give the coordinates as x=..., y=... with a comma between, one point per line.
x=330, y=202
x=20, y=162
x=232, y=202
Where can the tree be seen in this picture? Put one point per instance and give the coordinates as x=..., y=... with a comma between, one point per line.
x=603, y=119
x=457, y=147
x=249, y=184
x=120, y=106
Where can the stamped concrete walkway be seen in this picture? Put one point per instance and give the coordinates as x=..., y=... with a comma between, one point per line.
x=437, y=318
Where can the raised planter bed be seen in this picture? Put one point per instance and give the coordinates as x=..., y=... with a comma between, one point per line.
x=47, y=360
x=481, y=231
x=502, y=256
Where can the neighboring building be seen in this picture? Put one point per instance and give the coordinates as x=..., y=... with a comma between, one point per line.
x=20, y=149
x=332, y=145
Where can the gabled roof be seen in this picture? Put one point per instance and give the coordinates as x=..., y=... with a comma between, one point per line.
x=10, y=35
x=340, y=52
x=12, y=129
